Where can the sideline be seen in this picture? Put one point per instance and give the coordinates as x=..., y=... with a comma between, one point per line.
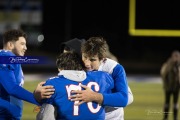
x=130, y=78
x=144, y=78
x=40, y=77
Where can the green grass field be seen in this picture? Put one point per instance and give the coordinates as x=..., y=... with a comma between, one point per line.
x=147, y=105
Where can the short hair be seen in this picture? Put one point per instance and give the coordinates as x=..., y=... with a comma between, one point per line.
x=95, y=46
x=13, y=35
x=69, y=61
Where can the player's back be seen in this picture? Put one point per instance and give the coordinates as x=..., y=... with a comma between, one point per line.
x=97, y=81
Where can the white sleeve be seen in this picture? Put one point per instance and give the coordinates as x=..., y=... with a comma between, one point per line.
x=130, y=96
x=47, y=112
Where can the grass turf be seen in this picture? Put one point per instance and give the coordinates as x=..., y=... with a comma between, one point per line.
x=147, y=105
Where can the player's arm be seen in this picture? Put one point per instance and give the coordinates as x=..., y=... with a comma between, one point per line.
x=89, y=96
x=47, y=110
x=43, y=92
x=107, y=99
x=120, y=91
x=86, y=95
x=119, y=98
x=7, y=79
x=13, y=109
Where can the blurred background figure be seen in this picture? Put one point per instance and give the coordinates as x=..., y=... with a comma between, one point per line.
x=171, y=82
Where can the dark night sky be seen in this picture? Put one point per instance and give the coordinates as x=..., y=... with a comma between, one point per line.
x=83, y=19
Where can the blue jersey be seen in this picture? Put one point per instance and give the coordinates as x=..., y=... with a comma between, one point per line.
x=12, y=109
x=19, y=80
x=11, y=82
x=98, y=81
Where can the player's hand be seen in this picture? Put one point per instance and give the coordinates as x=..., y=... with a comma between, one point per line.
x=42, y=92
x=82, y=95
x=87, y=95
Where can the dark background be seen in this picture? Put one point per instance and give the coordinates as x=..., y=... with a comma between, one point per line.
x=110, y=19
x=66, y=19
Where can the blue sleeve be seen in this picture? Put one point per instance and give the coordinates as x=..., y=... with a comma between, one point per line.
x=119, y=97
x=7, y=79
x=14, y=110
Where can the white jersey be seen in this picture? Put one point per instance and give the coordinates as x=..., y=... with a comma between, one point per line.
x=117, y=113
x=107, y=65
